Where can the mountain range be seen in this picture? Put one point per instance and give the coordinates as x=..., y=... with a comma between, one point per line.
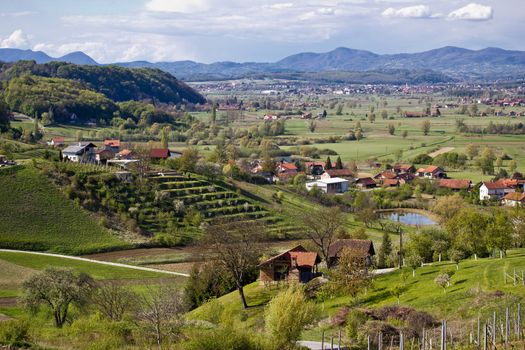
x=453, y=63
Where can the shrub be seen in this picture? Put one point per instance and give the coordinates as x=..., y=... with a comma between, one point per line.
x=15, y=332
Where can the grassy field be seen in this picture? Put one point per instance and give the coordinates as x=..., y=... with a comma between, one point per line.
x=470, y=295
x=35, y=215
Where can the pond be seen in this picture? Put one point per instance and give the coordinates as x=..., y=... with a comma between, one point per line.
x=408, y=218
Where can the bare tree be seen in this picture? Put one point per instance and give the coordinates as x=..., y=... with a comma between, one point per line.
x=113, y=300
x=237, y=246
x=161, y=312
x=322, y=226
x=57, y=289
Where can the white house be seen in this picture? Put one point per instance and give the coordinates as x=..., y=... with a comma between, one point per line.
x=80, y=152
x=514, y=199
x=330, y=185
x=494, y=190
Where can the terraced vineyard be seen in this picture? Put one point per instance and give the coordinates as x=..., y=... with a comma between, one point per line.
x=177, y=194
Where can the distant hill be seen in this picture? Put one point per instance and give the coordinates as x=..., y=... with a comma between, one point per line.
x=117, y=83
x=455, y=62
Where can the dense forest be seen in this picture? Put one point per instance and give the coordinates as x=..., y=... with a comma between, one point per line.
x=117, y=83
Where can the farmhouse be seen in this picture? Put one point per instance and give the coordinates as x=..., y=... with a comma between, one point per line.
x=385, y=175
x=286, y=168
x=363, y=248
x=330, y=185
x=431, y=172
x=56, y=142
x=103, y=155
x=514, y=199
x=342, y=173
x=455, y=185
x=366, y=182
x=494, y=190
x=294, y=265
x=81, y=152
x=112, y=145
x=163, y=153
x=403, y=169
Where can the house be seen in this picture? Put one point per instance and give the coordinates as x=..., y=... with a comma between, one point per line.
x=403, y=169
x=163, y=153
x=498, y=189
x=286, y=168
x=294, y=265
x=103, y=155
x=342, y=173
x=406, y=177
x=57, y=142
x=112, y=145
x=125, y=154
x=80, y=152
x=392, y=182
x=431, y=172
x=330, y=185
x=366, y=182
x=385, y=175
x=455, y=185
x=514, y=199
x=361, y=247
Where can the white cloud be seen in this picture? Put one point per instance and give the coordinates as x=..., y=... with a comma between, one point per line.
x=473, y=12
x=281, y=5
x=182, y=6
x=17, y=39
x=418, y=11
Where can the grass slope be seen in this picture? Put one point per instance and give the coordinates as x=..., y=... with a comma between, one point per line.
x=34, y=215
x=471, y=291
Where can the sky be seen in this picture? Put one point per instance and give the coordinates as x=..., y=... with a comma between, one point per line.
x=255, y=30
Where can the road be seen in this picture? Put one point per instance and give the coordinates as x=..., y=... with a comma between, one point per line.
x=99, y=262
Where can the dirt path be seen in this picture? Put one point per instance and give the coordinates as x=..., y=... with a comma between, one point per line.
x=440, y=151
x=98, y=262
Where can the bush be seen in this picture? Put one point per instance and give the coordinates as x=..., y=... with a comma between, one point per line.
x=15, y=332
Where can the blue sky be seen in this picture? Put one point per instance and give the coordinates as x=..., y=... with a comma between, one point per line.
x=255, y=30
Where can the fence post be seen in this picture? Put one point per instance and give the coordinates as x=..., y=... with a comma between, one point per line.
x=479, y=343
x=506, y=326
x=423, y=340
x=494, y=329
x=339, y=340
x=485, y=337
x=519, y=321
x=380, y=341
x=401, y=341
x=332, y=343
x=368, y=343
x=322, y=340
x=444, y=335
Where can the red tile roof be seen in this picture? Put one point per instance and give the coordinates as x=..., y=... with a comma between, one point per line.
x=366, y=181
x=515, y=196
x=287, y=166
x=455, y=184
x=125, y=152
x=57, y=139
x=159, y=153
x=390, y=182
x=303, y=257
x=501, y=184
x=112, y=143
x=386, y=175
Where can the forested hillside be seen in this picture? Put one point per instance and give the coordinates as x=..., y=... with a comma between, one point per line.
x=117, y=83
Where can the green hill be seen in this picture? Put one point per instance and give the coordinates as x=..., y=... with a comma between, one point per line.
x=35, y=215
x=117, y=83
x=476, y=289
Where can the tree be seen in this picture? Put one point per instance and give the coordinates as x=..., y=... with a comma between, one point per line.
x=398, y=154
x=443, y=280
x=339, y=163
x=425, y=127
x=113, y=300
x=447, y=206
x=467, y=229
x=371, y=117
x=268, y=164
x=161, y=311
x=4, y=117
x=312, y=126
x=499, y=233
x=328, y=164
x=404, y=134
x=456, y=256
x=488, y=153
x=473, y=109
x=188, y=160
x=499, y=162
x=321, y=227
x=351, y=274
x=164, y=137
x=485, y=164
x=391, y=129
x=286, y=316
x=472, y=150
x=398, y=290
x=57, y=289
x=384, y=251
x=358, y=134
x=414, y=261
x=384, y=114
x=213, y=114
x=512, y=166
x=339, y=110
x=236, y=246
